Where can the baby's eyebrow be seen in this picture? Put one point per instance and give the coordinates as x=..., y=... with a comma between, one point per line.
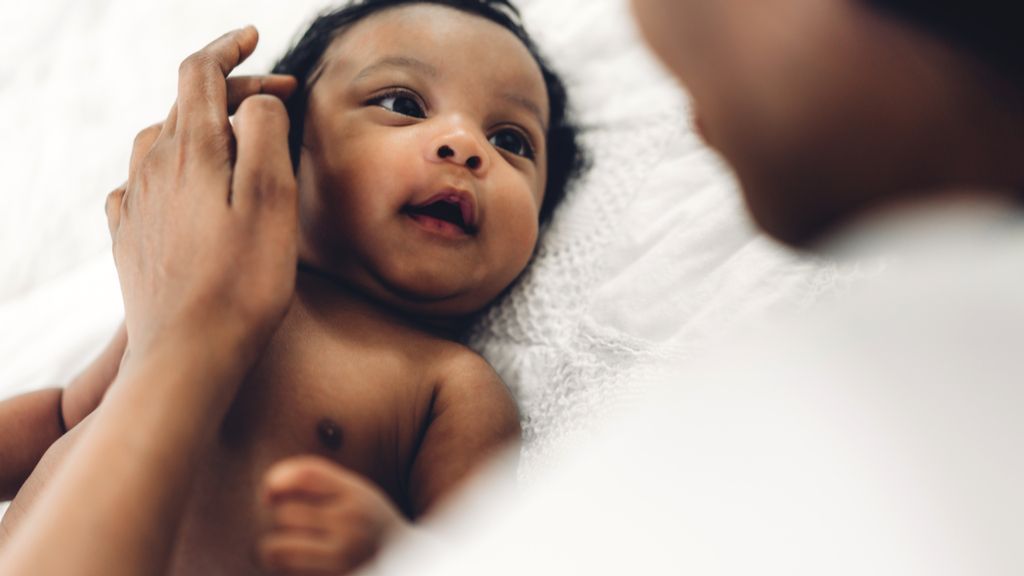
x=527, y=104
x=398, y=62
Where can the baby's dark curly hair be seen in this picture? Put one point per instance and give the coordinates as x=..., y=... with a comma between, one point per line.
x=566, y=158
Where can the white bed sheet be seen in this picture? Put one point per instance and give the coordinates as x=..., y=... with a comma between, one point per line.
x=650, y=256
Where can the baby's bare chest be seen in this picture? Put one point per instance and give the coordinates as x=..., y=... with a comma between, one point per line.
x=361, y=406
x=364, y=409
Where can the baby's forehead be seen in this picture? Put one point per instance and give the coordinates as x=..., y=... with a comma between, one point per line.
x=442, y=41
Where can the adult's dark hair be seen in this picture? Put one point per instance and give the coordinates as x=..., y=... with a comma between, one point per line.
x=565, y=156
x=988, y=29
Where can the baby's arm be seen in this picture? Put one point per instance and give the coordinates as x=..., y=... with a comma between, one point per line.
x=324, y=518
x=473, y=417
x=31, y=422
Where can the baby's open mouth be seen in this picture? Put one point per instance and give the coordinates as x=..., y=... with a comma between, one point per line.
x=444, y=212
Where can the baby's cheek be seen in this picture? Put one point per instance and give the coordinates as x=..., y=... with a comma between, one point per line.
x=524, y=223
x=519, y=232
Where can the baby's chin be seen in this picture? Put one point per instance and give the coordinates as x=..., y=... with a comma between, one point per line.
x=430, y=299
x=431, y=304
x=429, y=294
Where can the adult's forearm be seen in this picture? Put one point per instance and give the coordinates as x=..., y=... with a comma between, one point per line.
x=208, y=243
x=116, y=503
x=29, y=424
x=32, y=422
x=83, y=394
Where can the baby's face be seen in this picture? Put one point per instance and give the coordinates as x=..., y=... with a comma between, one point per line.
x=424, y=159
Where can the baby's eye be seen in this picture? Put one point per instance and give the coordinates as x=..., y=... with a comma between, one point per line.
x=514, y=142
x=400, y=103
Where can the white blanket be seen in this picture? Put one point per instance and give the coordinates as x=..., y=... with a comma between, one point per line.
x=649, y=256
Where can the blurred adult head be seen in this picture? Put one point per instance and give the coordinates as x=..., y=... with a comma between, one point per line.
x=830, y=108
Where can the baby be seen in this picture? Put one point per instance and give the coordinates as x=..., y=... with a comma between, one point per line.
x=430, y=142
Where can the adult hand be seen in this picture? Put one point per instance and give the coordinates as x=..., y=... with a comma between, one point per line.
x=205, y=245
x=204, y=231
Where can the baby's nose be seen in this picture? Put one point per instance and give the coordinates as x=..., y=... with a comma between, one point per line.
x=461, y=149
x=445, y=151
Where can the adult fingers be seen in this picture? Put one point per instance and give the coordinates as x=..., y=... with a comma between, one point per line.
x=144, y=141
x=202, y=88
x=113, y=209
x=171, y=122
x=263, y=178
x=242, y=87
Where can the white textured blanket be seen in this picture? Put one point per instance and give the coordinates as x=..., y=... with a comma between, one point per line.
x=650, y=255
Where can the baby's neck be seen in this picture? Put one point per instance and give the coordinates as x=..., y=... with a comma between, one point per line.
x=338, y=303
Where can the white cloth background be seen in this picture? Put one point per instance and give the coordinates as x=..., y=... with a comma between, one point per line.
x=650, y=256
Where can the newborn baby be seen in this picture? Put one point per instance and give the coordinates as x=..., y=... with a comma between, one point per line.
x=430, y=143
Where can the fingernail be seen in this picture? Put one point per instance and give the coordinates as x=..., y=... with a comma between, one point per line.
x=250, y=29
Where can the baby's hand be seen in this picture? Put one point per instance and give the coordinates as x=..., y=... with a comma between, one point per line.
x=324, y=518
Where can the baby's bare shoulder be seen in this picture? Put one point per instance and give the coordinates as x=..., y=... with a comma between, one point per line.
x=473, y=415
x=465, y=376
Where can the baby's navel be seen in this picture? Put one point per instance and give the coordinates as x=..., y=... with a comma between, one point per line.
x=329, y=434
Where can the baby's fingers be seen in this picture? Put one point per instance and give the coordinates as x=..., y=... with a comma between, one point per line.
x=301, y=516
x=305, y=476
x=296, y=554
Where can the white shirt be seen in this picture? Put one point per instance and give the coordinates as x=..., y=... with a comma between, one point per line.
x=882, y=435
